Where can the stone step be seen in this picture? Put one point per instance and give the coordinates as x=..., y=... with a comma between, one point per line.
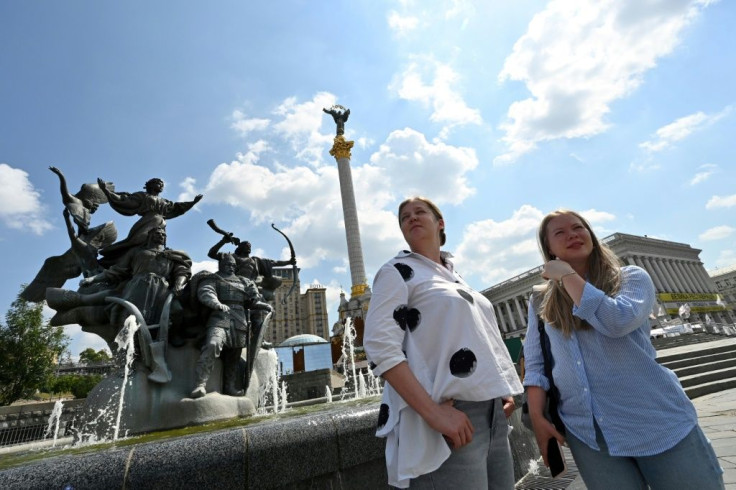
x=714, y=375
x=663, y=343
x=704, y=367
x=682, y=359
x=698, y=359
x=711, y=387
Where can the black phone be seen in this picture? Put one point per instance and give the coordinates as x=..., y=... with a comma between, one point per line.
x=555, y=458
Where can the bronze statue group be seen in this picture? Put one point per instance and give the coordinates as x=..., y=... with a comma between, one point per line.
x=221, y=313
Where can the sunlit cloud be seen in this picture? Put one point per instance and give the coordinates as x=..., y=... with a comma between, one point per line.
x=577, y=58
x=717, y=233
x=494, y=251
x=301, y=123
x=433, y=84
x=402, y=24
x=20, y=203
x=666, y=136
x=246, y=126
x=716, y=202
x=705, y=171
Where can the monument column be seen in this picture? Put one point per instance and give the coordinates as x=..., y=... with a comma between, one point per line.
x=341, y=151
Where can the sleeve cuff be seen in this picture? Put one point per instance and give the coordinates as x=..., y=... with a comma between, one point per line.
x=388, y=364
x=535, y=379
x=589, y=302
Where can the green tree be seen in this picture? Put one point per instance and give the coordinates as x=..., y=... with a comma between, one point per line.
x=84, y=384
x=89, y=356
x=29, y=348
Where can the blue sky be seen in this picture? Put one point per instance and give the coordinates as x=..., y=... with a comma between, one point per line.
x=498, y=111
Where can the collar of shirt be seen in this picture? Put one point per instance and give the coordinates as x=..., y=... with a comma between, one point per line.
x=445, y=256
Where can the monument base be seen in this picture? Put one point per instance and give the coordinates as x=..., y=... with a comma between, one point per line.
x=149, y=406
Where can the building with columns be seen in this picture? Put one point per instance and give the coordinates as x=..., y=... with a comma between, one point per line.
x=676, y=270
x=725, y=280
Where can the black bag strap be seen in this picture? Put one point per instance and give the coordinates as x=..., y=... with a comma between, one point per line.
x=553, y=393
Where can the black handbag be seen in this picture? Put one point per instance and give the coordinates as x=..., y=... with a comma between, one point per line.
x=553, y=395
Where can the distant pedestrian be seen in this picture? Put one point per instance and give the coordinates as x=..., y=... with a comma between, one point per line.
x=449, y=375
x=628, y=422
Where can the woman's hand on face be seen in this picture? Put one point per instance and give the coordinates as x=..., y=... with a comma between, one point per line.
x=453, y=424
x=544, y=430
x=555, y=269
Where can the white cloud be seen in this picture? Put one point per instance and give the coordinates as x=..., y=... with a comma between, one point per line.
x=596, y=217
x=717, y=233
x=205, y=265
x=301, y=124
x=721, y=202
x=666, y=136
x=461, y=8
x=578, y=57
x=306, y=200
x=726, y=258
x=497, y=250
x=20, y=205
x=407, y=153
x=245, y=126
x=80, y=340
x=439, y=93
x=705, y=172
x=402, y=24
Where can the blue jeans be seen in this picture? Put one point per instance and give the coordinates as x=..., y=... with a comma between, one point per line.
x=691, y=463
x=484, y=463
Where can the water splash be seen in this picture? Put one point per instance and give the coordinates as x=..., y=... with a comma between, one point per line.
x=54, y=420
x=124, y=340
x=284, y=396
x=348, y=359
x=271, y=396
x=328, y=394
x=533, y=467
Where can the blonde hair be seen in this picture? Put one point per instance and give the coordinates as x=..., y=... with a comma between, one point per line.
x=604, y=272
x=432, y=207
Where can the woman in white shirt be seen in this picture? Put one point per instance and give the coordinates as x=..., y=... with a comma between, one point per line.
x=449, y=375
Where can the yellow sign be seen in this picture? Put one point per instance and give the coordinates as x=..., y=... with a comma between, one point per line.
x=682, y=297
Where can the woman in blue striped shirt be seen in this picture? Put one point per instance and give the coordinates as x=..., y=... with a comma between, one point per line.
x=628, y=422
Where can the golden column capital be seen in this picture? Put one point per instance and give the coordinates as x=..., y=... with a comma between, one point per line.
x=341, y=148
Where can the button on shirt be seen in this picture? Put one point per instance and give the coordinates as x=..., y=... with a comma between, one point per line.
x=424, y=313
x=609, y=373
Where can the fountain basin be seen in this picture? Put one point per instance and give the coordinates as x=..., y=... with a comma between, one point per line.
x=334, y=447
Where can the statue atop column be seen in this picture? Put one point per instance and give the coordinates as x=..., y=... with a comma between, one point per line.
x=340, y=115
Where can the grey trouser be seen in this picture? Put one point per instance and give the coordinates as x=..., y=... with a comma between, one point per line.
x=486, y=462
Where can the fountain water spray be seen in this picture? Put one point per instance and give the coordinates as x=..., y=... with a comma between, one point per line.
x=284, y=395
x=54, y=420
x=124, y=340
x=348, y=355
x=328, y=394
